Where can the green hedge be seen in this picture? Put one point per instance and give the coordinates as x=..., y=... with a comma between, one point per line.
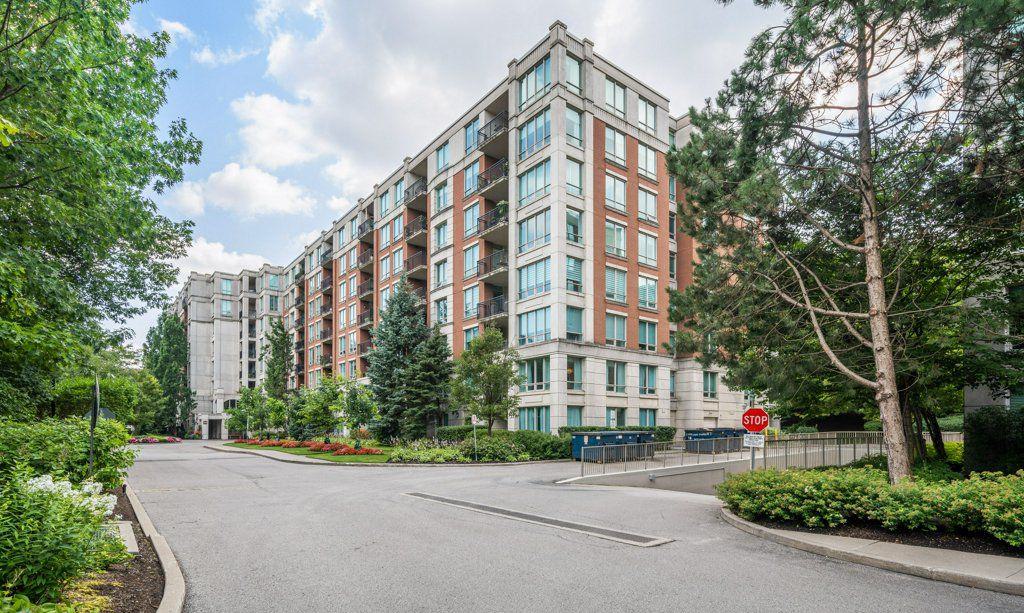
x=994, y=439
x=951, y=423
x=662, y=434
x=989, y=503
x=458, y=433
x=60, y=447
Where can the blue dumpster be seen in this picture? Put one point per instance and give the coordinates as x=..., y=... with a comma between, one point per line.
x=581, y=440
x=713, y=440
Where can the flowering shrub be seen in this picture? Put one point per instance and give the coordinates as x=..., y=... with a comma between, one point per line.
x=140, y=440
x=361, y=434
x=309, y=444
x=60, y=447
x=290, y=444
x=346, y=450
x=270, y=443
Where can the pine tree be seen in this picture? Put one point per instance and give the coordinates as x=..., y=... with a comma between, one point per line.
x=165, y=354
x=401, y=330
x=429, y=376
x=484, y=374
x=278, y=355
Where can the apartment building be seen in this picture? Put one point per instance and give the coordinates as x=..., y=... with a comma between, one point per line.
x=227, y=318
x=545, y=211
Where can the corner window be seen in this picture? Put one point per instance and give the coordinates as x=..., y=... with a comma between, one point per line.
x=648, y=116
x=615, y=97
x=536, y=82
x=225, y=308
x=536, y=374
x=574, y=127
x=225, y=286
x=573, y=74
x=535, y=134
x=534, y=231
x=535, y=183
x=534, y=278
x=534, y=326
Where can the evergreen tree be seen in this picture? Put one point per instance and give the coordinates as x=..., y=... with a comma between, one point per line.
x=165, y=354
x=401, y=330
x=484, y=375
x=429, y=376
x=278, y=355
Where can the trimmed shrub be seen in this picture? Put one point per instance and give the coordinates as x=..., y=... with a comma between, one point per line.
x=662, y=434
x=952, y=423
x=456, y=434
x=430, y=455
x=493, y=449
x=994, y=440
x=542, y=446
x=60, y=447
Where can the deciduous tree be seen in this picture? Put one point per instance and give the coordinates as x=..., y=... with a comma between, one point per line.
x=485, y=373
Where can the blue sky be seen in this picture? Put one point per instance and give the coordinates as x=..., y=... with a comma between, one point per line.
x=302, y=105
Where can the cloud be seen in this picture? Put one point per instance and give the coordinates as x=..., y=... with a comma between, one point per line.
x=277, y=133
x=340, y=204
x=209, y=57
x=247, y=191
x=186, y=198
x=176, y=30
x=129, y=27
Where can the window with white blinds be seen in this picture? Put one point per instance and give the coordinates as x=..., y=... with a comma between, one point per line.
x=615, y=284
x=535, y=278
x=573, y=274
x=648, y=293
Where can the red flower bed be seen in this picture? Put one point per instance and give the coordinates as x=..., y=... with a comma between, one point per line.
x=139, y=440
x=308, y=444
x=290, y=444
x=270, y=443
x=346, y=450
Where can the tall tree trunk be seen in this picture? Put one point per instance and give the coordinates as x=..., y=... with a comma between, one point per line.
x=885, y=366
x=935, y=432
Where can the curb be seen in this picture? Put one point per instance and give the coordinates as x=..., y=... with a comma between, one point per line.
x=253, y=452
x=936, y=574
x=173, y=600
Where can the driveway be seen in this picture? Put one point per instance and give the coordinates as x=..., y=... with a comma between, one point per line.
x=254, y=535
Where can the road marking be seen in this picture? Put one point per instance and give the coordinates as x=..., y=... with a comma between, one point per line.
x=639, y=540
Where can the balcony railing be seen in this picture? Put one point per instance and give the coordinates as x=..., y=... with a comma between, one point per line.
x=325, y=335
x=364, y=228
x=494, y=127
x=366, y=257
x=419, y=291
x=365, y=346
x=327, y=309
x=416, y=260
x=415, y=227
x=300, y=344
x=414, y=191
x=492, y=219
x=366, y=287
x=492, y=174
x=492, y=263
x=325, y=257
x=366, y=317
x=325, y=285
x=325, y=360
x=492, y=308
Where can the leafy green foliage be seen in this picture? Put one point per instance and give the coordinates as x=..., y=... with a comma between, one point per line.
x=457, y=433
x=279, y=356
x=359, y=409
x=321, y=407
x=21, y=604
x=429, y=375
x=60, y=447
x=541, y=445
x=484, y=374
x=994, y=439
x=493, y=449
x=165, y=354
x=429, y=455
x=662, y=434
x=73, y=397
x=151, y=401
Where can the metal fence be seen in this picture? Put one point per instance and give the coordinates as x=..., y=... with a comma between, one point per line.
x=784, y=451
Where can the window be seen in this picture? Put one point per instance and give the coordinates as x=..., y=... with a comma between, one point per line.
x=574, y=127
x=442, y=158
x=469, y=334
x=352, y=314
x=574, y=416
x=749, y=399
x=671, y=138
x=352, y=255
x=648, y=380
x=574, y=226
x=573, y=74
x=385, y=267
x=342, y=344
x=536, y=375
x=534, y=231
x=343, y=318
x=710, y=346
x=648, y=335
x=648, y=293
x=672, y=383
x=573, y=177
x=441, y=198
x=648, y=417
x=648, y=247
x=616, y=381
x=648, y=162
x=615, y=193
x=574, y=323
x=385, y=235
x=672, y=224
x=648, y=116
x=648, y=206
x=397, y=259
x=440, y=273
x=672, y=265
x=535, y=82
x=471, y=131
x=573, y=274
x=441, y=234
x=672, y=189
x=615, y=418
x=470, y=214
x=710, y=384
x=470, y=257
x=615, y=330
x=535, y=133
x=273, y=303
x=385, y=295
x=385, y=203
x=397, y=225
x=535, y=183
x=400, y=191
x=534, y=278
x=470, y=298
x=615, y=97
x=225, y=286
x=274, y=282
x=352, y=287
x=535, y=418
x=615, y=284
x=342, y=289
x=441, y=310
x=615, y=146
x=225, y=308
x=470, y=178
x=534, y=326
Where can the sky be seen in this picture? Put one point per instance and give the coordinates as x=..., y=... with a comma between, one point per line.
x=302, y=105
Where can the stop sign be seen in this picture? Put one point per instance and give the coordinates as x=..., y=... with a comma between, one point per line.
x=755, y=420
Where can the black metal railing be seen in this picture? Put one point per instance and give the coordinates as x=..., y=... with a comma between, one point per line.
x=414, y=191
x=496, y=261
x=325, y=335
x=492, y=174
x=326, y=309
x=366, y=287
x=365, y=258
x=325, y=257
x=325, y=285
x=415, y=261
x=493, y=307
x=494, y=127
x=416, y=226
x=364, y=228
x=491, y=219
x=365, y=346
x=366, y=317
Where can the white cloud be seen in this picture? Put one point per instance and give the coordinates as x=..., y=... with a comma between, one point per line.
x=186, y=198
x=176, y=30
x=209, y=57
x=246, y=191
x=340, y=204
x=205, y=257
x=129, y=27
x=299, y=241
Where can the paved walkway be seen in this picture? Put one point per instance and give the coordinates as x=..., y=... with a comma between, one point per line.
x=256, y=535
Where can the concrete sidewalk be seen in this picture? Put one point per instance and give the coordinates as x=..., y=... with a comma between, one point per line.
x=280, y=456
x=987, y=572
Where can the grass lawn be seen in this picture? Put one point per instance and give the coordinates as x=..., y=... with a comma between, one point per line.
x=357, y=459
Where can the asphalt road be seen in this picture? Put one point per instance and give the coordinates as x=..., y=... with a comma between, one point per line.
x=255, y=535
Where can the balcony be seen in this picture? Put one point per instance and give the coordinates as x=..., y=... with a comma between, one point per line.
x=365, y=289
x=416, y=265
x=493, y=266
x=325, y=361
x=420, y=291
x=327, y=310
x=365, y=347
x=299, y=320
x=299, y=368
x=325, y=259
x=416, y=231
x=494, y=308
x=365, y=259
x=366, y=318
x=300, y=344
x=488, y=136
x=365, y=230
x=416, y=196
x=325, y=335
x=492, y=177
x=325, y=286
x=492, y=224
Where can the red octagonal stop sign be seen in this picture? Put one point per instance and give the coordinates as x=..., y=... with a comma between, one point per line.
x=755, y=420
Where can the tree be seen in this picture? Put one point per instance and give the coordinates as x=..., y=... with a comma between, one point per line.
x=828, y=163
x=74, y=397
x=278, y=354
x=252, y=404
x=151, y=400
x=401, y=330
x=277, y=414
x=429, y=378
x=321, y=407
x=165, y=354
x=484, y=374
x=358, y=409
x=81, y=240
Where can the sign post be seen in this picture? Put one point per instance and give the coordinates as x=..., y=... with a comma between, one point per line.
x=474, y=420
x=755, y=420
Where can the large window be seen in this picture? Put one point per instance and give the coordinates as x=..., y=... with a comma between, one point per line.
x=574, y=226
x=443, y=158
x=615, y=238
x=535, y=418
x=648, y=162
x=441, y=198
x=385, y=203
x=573, y=177
x=648, y=248
x=574, y=373
x=648, y=206
x=535, y=182
x=536, y=374
x=648, y=116
x=615, y=284
x=615, y=146
x=574, y=323
x=470, y=215
x=535, y=278
x=535, y=82
x=534, y=231
x=471, y=131
x=225, y=308
x=398, y=260
x=648, y=293
x=615, y=330
x=574, y=416
x=648, y=335
x=573, y=274
x=615, y=97
x=441, y=273
x=616, y=377
x=469, y=334
x=535, y=133
x=399, y=191
x=385, y=235
x=573, y=74
x=470, y=178
x=534, y=326
x=710, y=384
x=225, y=286
x=385, y=267
x=441, y=235
x=573, y=127
x=615, y=193
x=398, y=224
x=615, y=418
x=648, y=417
x=470, y=259
x=470, y=300
x=441, y=310
x=274, y=281
x=648, y=380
